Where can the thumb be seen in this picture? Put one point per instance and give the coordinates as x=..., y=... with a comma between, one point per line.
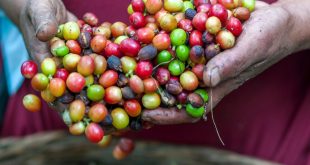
x=42, y=15
x=250, y=49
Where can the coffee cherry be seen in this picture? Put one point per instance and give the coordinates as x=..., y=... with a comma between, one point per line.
x=249, y=4
x=178, y=37
x=147, y=53
x=176, y=67
x=196, y=54
x=207, y=38
x=194, y=112
x=120, y=118
x=113, y=49
x=190, y=14
x=203, y=93
x=130, y=47
x=97, y=112
x=220, y=12
x=228, y=4
x=225, y=39
x=234, y=26
x=98, y=43
x=129, y=64
x=199, y=21
x=153, y=6
x=189, y=81
x=71, y=61
x=32, y=103
x=39, y=82
x=151, y=100
x=90, y=18
x=162, y=75
x=47, y=95
x=86, y=65
x=73, y=47
x=242, y=13
x=123, y=149
x=205, y=8
x=137, y=20
x=95, y=92
x=77, y=110
x=71, y=31
x=77, y=128
x=182, y=52
x=150, y=85
x=211, y=51
x=75, y=82
x=84, y=39
x=200, y=2
x=145, y=35
x=163, y=57
x=100, y=65
x=168, y=22
x=105, y=141
x=144, y=69
x=133, y=108
x=198, y=71
x=108, y=78
x=187, y=5
x=118, y=29
x=213, y=25
x=195, y=38
x=48, y=67
x=104, y=31
x=29, y=69
x=173, y=5
x=136, y=84
x=161, y=41
x=57, y=87
x=138, y=5
x=186, y=25
x=94, y=132
x=113, y=95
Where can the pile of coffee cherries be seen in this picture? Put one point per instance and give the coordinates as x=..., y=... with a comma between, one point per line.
x=106, y=74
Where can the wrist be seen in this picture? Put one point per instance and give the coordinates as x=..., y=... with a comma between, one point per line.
x=298, y=34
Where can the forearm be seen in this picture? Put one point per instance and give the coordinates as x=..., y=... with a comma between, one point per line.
x=299, y=12
x=13, y=8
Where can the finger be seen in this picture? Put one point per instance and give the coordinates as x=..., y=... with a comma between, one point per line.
x=232, y=62
x=43, y=18
x=38, y=50
x=165, y=116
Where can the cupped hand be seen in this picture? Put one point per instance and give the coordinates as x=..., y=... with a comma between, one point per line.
x=39, y=20
x=267, y=38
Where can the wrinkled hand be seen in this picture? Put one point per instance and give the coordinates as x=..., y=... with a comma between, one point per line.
x=266, y=39
x=39, y=22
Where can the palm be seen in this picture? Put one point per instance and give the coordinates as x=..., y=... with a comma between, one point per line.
x=262, y=43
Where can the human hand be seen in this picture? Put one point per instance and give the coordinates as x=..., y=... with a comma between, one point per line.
x=268, y=36
x=39, y=20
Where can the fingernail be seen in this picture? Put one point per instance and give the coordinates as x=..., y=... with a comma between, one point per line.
x=214, y=76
